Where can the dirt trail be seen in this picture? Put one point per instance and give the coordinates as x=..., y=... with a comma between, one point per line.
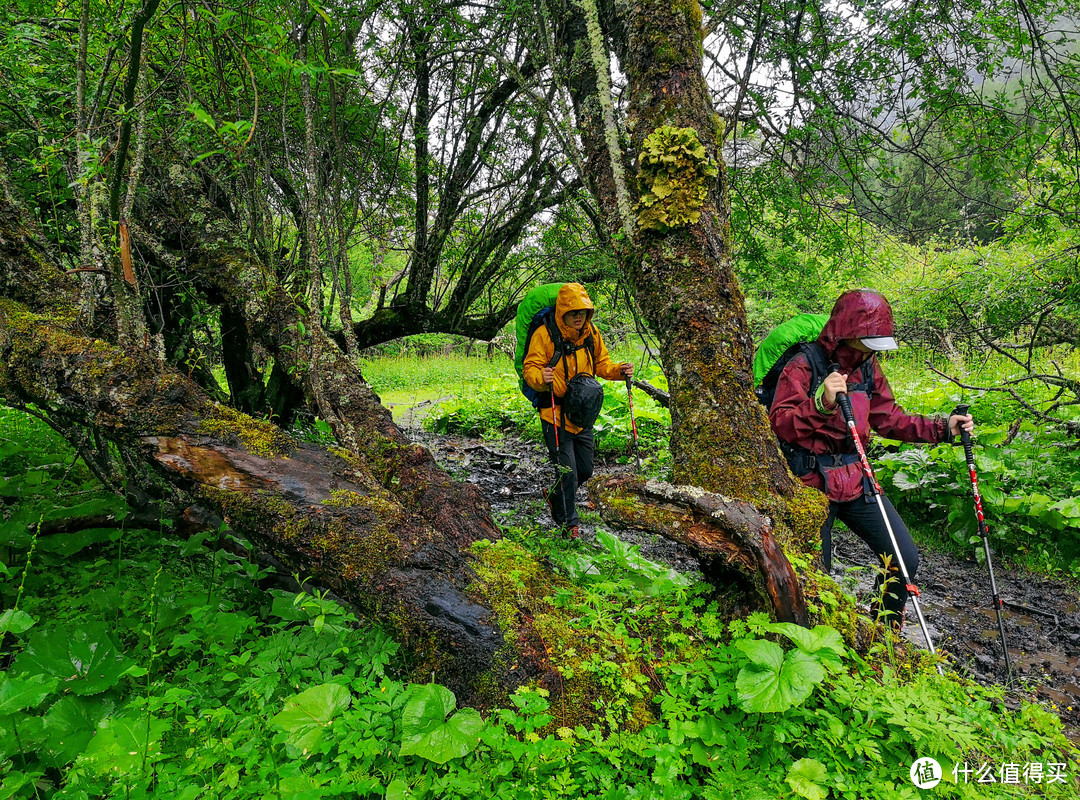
x=1044, y=643
x=1044, y=640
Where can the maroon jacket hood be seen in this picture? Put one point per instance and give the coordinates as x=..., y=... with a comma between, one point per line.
x=857, y=314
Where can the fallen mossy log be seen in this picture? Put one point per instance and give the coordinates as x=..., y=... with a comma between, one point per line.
x=713, y=527
x=379, y=524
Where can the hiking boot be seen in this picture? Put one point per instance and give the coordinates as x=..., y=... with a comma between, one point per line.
x=550, y=505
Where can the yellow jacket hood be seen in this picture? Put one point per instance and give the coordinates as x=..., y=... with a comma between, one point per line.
x=572, y=296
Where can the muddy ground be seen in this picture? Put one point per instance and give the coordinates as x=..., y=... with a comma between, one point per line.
x=1043, y=641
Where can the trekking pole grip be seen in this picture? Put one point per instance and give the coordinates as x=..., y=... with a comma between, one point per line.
x=842, y=399
x=965, y=437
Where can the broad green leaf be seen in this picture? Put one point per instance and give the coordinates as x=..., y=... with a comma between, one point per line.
x=109, y=504
x=202, y=116
x=18, y=694
x=16, y=622
x=69, y=726
x=20, y=733
x=762, y=652
x=68, y=544
x=124, y=744
x=823, y=641
x=87, y=660
x=768, y=686
x=398, y=790
x=806, y=777
x=285, y=607
x=713, y=731
x=1069, y=508
x=904, y=482
x=992, y=496
x=15, y=782
x=306, y=717
x=426, y=731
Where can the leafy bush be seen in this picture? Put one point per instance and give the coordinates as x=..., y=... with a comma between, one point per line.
x=1018, y=481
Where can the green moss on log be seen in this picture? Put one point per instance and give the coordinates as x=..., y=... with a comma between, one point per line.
x=355, y=544
x=597, y=671
x=258, y=437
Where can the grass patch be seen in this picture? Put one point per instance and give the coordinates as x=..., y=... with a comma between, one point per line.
x=450, y=374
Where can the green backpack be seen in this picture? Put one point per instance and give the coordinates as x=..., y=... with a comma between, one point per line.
x=798, y=335
x=537, y=309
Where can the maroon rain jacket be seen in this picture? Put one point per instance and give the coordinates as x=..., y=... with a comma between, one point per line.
x=795, y=416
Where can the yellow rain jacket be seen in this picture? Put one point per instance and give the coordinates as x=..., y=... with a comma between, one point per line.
x=572, y=296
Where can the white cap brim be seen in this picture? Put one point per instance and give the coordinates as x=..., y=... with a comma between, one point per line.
x=880, y=342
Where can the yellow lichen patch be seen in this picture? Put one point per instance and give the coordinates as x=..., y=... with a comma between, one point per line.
x=258, y=437
x=674, y=173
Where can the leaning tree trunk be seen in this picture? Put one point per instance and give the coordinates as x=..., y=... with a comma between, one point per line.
x=676, y=249
x=376, y=522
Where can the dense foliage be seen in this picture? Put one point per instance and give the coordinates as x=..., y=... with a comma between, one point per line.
x=137, y=664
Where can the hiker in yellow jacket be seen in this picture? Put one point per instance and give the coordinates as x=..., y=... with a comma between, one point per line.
x=583, y=353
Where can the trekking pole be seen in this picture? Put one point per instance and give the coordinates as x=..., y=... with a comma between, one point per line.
x=554, y=424
x=965, y=439
x=875, y=490
x=560, y=470
x=633, y=425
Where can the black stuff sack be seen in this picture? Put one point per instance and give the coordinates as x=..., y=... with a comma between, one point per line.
x=583, y=399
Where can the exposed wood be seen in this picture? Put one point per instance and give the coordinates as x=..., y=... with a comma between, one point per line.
x=712, y=526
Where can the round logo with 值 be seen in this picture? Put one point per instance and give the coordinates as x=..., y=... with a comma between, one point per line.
x=926, y=773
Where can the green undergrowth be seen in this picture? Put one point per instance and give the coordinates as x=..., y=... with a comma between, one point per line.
x=447, y=372
x=138, y=664
x=1028, y=475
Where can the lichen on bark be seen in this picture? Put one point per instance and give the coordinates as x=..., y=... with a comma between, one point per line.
x=674, y=175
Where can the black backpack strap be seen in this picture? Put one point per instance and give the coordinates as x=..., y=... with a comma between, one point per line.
x=868, y=375
x=590, y=345
x=556, y=338
x=819, y=367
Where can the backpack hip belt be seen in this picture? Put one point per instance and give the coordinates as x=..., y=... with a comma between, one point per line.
x=802, y=461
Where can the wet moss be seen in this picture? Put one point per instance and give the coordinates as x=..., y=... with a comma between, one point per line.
x=349, y=457
x=355, y=544
x=343, y=499
x=258, y=437
x=592, y=672
x=802, y=515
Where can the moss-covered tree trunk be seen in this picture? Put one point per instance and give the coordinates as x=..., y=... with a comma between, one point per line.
x=375, y=521
x=675, y=246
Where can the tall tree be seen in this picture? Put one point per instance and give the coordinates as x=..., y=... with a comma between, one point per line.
x=667, y=207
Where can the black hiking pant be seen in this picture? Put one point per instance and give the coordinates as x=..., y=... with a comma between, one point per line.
x=863, y=517
x=575, y=452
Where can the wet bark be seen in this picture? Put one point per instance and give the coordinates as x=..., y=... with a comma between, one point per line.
x=679, y=261
x=376, y=521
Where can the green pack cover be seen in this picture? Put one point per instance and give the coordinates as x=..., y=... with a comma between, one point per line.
x=536, y=300
x=800, y=328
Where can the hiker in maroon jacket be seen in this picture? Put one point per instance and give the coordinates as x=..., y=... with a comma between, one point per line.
x=812, y=427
